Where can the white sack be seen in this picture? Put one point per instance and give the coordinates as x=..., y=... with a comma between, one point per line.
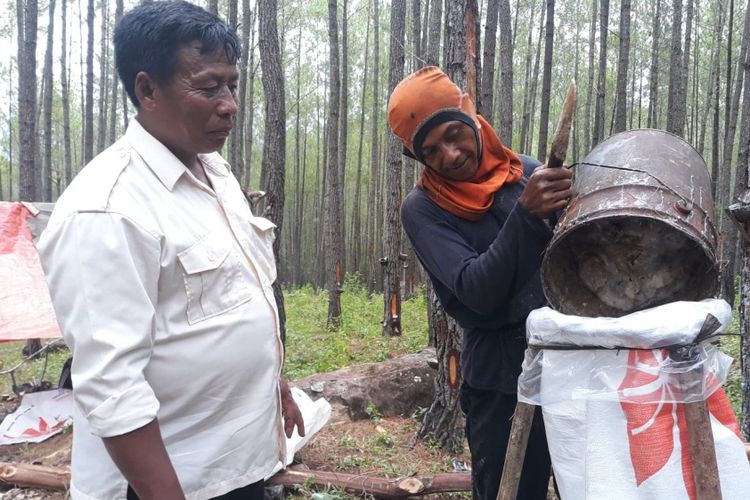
x=40, y=416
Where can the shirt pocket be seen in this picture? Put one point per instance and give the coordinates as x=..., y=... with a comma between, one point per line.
x=265, y=235
x=214, y=281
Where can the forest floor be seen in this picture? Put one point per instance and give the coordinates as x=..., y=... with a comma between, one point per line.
x=382, y=447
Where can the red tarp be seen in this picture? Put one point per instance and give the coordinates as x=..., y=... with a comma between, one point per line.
x=25, y=306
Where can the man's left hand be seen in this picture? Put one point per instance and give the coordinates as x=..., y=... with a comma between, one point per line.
x=290, y=411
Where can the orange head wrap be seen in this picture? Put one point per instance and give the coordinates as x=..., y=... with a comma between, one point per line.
x=427, y=98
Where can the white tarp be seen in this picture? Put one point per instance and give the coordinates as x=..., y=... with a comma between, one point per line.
x=615, y=419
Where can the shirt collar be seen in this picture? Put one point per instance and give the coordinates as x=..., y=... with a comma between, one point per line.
x=165, y=165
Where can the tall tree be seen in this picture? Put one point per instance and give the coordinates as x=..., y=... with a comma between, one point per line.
x=506, y=73
x=546, y=80
x=343, y=130
x=488, y=60
x=601, y=84
x=333, y=262
x=675, y=116
x=653, y=83
x=234, y=143
x=374, y=185
x=28, y=170
x=88, y=134
x=355, y=240
x=247, y=24
x=729, y=232
x=443, y=421
x=103, y=75
x=588, y=130
x=622, y=68
x=392, y=258
x=65, y=94
x=433, y=38
x=115, y=85
x=48, y=94
x=274, y=138
x=213, y=6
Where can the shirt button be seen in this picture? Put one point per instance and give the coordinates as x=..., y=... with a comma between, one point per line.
x=211, y=257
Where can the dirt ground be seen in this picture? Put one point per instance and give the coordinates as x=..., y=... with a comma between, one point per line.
x=381, y=447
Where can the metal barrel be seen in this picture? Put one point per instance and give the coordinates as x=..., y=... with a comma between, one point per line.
x=638, y=232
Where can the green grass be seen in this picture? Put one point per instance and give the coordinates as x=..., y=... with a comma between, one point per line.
x=311, y=347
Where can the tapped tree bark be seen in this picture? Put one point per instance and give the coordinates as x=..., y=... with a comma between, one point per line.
x=443, y=422
x=274, y=139
x=393, y=256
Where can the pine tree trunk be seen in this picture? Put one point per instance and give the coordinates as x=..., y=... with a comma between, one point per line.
x=675, y=122
x=728, y=230
x=28, y=170
x=601, y=85
x=525, y=115
x=88, y=133
x=48, y=93
x=274, y=139
x=296, y=223
x=115, y=85
x=488, y=61
x=443, y=422
x=686, y=67
x=743, y=164
x=234, y=143
x=239, y=128
x=213, y=6
x=250, y=117
x=622, y=68
x=392, y=265
x=332, y=204
x=355, y=240
x=343, y=142
x=373, y=191
x=506, y=74
x=588, y=129
x=65, y=95
x=433, y=38
x=546, y=81
x=103, y=75
x=535, y=83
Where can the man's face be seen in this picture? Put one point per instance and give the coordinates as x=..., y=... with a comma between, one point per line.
x=196, y=109
x=451, y=150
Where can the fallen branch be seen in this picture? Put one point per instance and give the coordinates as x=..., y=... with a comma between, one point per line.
x=377, y=486
x=34, y=476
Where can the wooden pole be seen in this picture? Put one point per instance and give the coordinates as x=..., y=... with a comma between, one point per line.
x=516, y=451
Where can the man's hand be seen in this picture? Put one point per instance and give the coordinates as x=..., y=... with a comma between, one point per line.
x=547, y=191
x=290, y=411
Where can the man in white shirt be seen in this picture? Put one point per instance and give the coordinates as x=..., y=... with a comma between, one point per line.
x=161, y=279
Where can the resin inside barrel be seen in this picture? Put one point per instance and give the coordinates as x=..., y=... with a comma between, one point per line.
x=616, y=265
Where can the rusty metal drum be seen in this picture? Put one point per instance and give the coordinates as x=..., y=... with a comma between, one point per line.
x=639, y=231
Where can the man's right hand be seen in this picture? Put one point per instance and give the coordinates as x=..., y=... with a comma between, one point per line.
x=547, y=191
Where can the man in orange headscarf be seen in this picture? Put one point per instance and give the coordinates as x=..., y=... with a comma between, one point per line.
x=479, y=221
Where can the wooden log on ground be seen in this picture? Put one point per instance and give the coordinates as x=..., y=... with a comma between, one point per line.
x=34, y=476
x=378, y=486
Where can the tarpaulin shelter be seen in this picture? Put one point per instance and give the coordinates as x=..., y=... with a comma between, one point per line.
x=25, y=307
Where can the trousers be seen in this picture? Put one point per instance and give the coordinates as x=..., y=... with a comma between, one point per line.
x=488, y=422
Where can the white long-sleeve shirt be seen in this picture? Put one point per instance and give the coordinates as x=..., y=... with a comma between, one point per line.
x=162, y=288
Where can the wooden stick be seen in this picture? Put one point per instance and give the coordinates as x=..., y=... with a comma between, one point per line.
x=34, y=476
x=559, y=148
x=377, y=486
x=516, y=451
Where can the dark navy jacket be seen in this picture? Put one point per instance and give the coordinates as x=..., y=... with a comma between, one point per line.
x=486, y=274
